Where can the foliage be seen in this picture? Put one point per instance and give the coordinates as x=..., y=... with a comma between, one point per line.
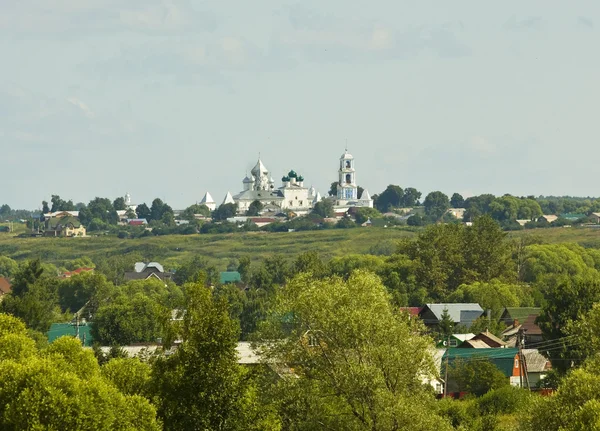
x=457, y=201
x=61, y=387
x=323, y=208
x=361, y=215
x=254, y=208
x=224, y=211
x=436, y=204
x=207, y=359
x=476, y=376
x=351, y=372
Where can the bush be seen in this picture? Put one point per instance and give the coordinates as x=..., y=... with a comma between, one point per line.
x=505, y=400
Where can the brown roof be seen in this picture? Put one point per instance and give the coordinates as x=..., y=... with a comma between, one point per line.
x=490, y=339
x=413, y=311
x=530, y=327
x=475, y=344
x=5, y=286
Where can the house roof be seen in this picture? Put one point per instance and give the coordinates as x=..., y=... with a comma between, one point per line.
x=413, y=311
x=207, y=199
x=142, y=266
x=463, y=337
x=230, y=277
x=519, y=313
x=246, y=355
x=459, y=313
x=68, y=274
x=5, y=286
x=54, y=222
x=536, y=362
x=530, y=327
x=58, y=330
x=475, y=344
x=549, y=217
x=488, y=337
x=502, y=358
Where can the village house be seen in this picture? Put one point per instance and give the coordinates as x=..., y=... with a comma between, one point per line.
x=144, y=271
x=63, y=223
x=461, y=314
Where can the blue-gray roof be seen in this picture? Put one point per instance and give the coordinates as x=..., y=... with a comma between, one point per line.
x=458, y=312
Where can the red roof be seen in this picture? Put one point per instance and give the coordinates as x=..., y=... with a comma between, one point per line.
x=5, y=286
x=530, y=327
x=413, y=311
x=137, y=222
x=75, y=272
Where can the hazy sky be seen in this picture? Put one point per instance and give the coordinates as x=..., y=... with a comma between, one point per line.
x=173, y=98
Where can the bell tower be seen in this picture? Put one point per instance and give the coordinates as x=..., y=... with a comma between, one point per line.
x=347, y=189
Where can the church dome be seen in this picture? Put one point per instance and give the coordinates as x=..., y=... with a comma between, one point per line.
x=346, y=156
x=248, y=180
x=300, y=178
x=292, y=174
x=285, y=179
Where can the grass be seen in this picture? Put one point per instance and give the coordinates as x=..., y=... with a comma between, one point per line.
x=217, y=248
x=220, y=248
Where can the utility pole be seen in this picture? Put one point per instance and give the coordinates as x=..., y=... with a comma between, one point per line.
x=446, y=370
x=520, y=342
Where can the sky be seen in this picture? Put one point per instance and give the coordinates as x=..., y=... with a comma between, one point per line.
x=173, y=98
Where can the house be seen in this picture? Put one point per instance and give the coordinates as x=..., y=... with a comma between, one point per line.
x=64, y=224
x=435, y=381
x=80, y=330
x=596, y=217
x=510, y=314
x=531, y=331
x=506, y=360
x=458, y=213
x=228, y=277
x=537, y=366
x=5, y=287
x=483, y=340
x=572, y=216
x=548, y=218
x=454, y=340
x=523, y=222
x=69, y=274
x=137, y=222
x=144, y=271
x=461, y=314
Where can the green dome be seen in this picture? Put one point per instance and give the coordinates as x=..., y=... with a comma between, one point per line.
x=292, y=174
x=300, y=178
x=285, y=179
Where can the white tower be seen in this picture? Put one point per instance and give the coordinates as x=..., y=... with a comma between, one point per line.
x=347, y=189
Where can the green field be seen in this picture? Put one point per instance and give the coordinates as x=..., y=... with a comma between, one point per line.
x=219, y=248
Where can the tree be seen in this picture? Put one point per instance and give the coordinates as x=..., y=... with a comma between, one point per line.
x=333, y=189
x=143, y=211
x=190, y=212
x=457, y=201
x=390, y=198
x=7, y=266
x=436, y=204
x=61, y=388
x=323, y=208
x=411, y=197
x=102, y=209
x=127, y=320
x=224, y=211
x=45, y=207
x=476, y=376
x=446, y=325
x=201, y=386
x=60, y=205
x=254, y=209
x=350, y=370
x=566, y=299
x=363, y=214
x=119, y=204
x=575, y=405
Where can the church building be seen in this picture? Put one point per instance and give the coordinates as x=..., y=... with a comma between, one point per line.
x=347, y=189
x=260, y=186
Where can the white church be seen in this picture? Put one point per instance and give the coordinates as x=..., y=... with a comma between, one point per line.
x=292, y=195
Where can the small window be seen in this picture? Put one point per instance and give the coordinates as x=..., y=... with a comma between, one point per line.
x=301, y=203
x=348, y=164
x=453, y=343
x=516, y=363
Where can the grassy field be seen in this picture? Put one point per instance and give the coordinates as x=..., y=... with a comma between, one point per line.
x=220, y=248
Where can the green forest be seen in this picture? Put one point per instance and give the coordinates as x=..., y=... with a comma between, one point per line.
x=325, y=315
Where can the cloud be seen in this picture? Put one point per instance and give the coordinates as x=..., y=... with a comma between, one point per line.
x=81, y=105
x=527, y=23
x=585, y=22
x=36, y=18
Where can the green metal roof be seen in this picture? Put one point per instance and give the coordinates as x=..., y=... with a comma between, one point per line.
x=502, y=358
x=58, y=330
x=520, y=313
x=230, y=277
x=572, y=216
